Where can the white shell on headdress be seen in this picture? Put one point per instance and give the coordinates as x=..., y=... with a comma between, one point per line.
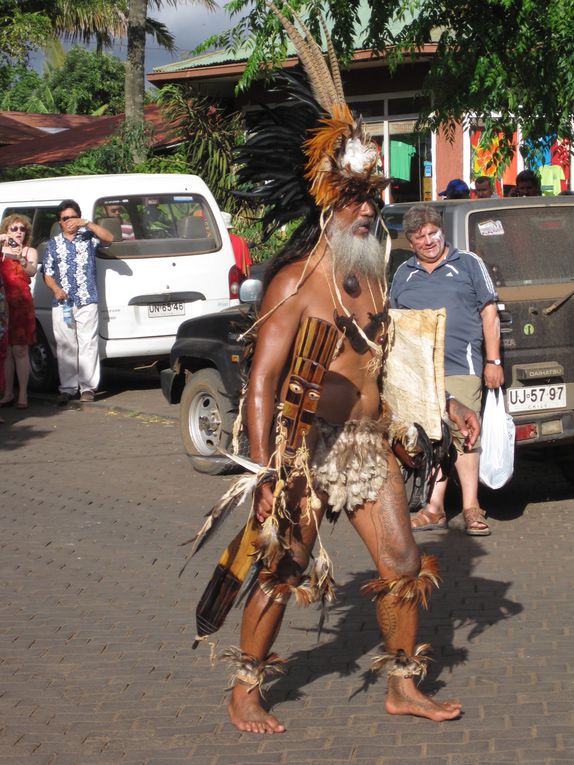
x=358, y=157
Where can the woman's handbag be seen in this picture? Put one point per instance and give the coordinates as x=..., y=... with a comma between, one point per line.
x=497, y=441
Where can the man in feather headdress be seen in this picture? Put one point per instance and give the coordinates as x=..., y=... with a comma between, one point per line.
x=317, y=161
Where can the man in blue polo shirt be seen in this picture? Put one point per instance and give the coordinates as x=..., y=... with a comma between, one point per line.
x=440, y=276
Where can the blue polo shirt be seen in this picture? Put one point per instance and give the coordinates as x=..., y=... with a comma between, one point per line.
x=462, y=285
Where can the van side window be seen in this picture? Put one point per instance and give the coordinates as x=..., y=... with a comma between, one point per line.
x=42, y=218
x=141, y=224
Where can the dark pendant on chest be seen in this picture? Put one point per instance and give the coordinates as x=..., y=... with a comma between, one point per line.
x=351, y=285
x=348, y=326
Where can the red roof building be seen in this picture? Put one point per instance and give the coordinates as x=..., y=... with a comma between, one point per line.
x=81, y=135
x=12, y=131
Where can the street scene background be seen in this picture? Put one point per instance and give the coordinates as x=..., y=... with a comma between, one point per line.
x=96, y=658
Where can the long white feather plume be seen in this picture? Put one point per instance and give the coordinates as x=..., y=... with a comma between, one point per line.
x=240, y=490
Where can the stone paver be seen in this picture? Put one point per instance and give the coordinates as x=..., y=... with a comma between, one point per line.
x=96, y=664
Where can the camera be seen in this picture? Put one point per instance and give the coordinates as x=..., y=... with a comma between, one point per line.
x=11, y=242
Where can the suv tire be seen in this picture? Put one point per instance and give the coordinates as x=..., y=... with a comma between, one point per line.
x=206, y=422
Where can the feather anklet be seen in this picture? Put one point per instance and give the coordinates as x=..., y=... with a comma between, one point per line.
x=248, y=670
x=398, y=664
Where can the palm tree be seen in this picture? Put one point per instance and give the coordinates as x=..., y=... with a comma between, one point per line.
x=104, y=21
x=135, y=64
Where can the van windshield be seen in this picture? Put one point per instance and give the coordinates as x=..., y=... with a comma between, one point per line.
x=529, y=245
x=155, y=225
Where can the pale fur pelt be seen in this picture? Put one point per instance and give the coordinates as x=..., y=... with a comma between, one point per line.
x=350, y=462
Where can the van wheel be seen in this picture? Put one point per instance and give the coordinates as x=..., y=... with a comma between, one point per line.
x=206, y=422
x=565, y=460
x=43, y=366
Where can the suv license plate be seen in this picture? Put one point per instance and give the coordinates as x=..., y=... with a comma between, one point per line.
x=534, y=397
x=165, y=309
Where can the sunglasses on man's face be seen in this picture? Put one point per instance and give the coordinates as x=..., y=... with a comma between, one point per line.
x=13, y=229
x=69, y=217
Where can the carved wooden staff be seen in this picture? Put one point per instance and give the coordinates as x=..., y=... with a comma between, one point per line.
x=313, y=351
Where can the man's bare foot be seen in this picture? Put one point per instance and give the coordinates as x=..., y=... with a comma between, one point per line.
x=404, y=698
x=248, y=715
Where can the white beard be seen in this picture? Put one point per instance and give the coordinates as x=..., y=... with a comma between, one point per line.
x=362, y=256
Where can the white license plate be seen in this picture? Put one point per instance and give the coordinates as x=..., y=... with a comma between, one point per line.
x=534, y=397
x=165, y=309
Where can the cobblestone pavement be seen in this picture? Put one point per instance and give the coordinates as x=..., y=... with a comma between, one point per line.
x=96, y=664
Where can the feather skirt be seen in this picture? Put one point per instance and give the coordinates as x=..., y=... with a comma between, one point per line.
x=350, y=462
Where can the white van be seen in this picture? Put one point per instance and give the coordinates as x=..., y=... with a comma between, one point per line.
x=171, y=259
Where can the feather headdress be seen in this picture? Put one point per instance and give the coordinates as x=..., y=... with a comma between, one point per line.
x=317, y=156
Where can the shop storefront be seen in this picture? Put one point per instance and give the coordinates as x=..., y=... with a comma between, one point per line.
x=420, y=164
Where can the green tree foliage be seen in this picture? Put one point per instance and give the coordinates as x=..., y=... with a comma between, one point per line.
x=502, y=61
x=21, y=29
x=26, y=24
x=86, y=83
x=22, y=88
x=209, y=135
x=103, y=21
x=29, y=24
x=497, y=61
x=262, y=249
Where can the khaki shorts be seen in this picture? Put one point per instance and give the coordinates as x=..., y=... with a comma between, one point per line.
x=468, y=390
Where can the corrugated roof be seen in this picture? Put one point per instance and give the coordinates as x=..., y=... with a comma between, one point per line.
x=12, y=131
x=66, y=145
x=206, y=59
x=50, y=121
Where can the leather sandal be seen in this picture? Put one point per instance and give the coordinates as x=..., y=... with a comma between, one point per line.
x=424, y=520
x=475, y=522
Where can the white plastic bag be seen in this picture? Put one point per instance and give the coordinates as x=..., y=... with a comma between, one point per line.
x=497, y=441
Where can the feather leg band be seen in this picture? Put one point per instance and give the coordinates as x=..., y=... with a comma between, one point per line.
x=414, y=588
x=249, y=670
x=318, y=586
x=398, y=664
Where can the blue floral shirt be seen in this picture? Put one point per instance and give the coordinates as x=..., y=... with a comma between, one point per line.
x=72, y=263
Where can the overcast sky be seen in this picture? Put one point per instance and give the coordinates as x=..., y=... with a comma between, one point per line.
x=190, y=25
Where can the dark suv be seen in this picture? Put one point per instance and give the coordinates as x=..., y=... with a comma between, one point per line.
x=528, y=247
